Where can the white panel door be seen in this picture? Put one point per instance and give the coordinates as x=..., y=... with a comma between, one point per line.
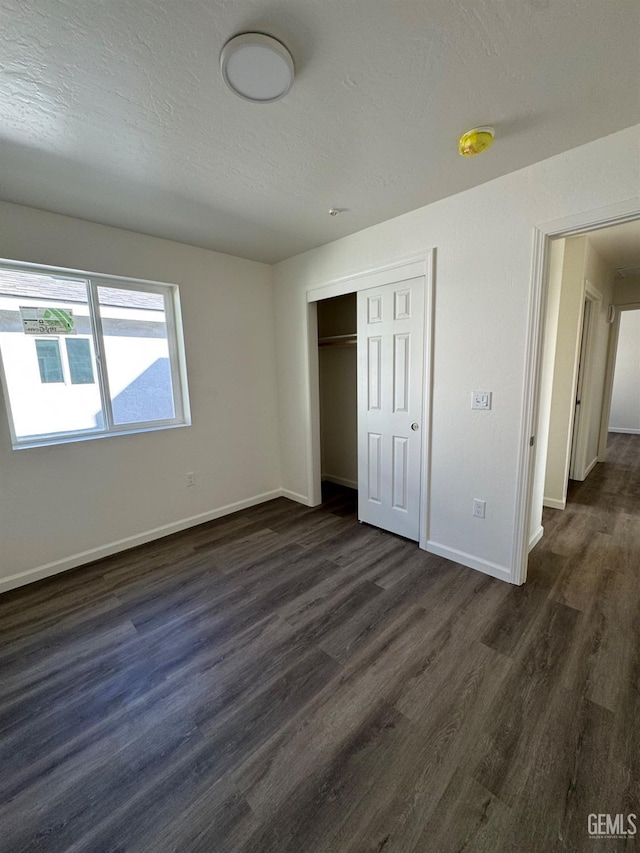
x=390, y=389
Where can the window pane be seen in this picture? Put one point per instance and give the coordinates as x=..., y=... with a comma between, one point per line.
x=136, y=344
x=41, y=402
x=49, y=361
x=80, y=361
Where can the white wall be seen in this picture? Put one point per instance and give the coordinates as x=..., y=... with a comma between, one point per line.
x=625, y=399
x=552, y=313
x=565, y=372
x=599, y=273
x=484, y=254
x=626, y=291
x=339, y=414
x=63, y=501
x=581, y=264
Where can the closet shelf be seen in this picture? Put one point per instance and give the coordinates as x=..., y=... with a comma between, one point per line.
x=338, y=340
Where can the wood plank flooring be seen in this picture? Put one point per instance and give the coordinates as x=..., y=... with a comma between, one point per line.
x=287, y=680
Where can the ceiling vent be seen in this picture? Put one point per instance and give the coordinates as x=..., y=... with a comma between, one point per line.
x=628, y=272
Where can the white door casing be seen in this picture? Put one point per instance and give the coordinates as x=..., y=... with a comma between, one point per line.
x=390, y=405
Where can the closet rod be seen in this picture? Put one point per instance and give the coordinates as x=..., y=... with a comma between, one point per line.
x=338, y=340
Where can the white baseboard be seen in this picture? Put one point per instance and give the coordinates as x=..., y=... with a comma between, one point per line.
x=552, y=503
x=590, y=467
x=295, y=496
x=470, y=561
x=110, y=548
x=625, y=431
x=587, y=471
x=537, y=536
x=340, y=481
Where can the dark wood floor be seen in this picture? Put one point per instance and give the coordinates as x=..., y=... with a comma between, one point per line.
x=286, y=680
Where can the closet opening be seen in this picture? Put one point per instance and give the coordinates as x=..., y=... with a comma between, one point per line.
x=338, y=386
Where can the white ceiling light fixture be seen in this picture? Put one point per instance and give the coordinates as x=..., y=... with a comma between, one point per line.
x=257, y=67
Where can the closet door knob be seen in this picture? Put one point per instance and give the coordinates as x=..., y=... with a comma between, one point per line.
x=415, y=426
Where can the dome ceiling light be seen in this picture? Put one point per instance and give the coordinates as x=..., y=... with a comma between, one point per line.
x=257, y=67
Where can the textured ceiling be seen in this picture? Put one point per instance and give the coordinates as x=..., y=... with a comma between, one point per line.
x=115, y=111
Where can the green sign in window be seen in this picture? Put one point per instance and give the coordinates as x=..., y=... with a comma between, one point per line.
x=47, y=321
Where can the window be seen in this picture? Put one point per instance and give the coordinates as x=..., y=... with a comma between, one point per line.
x=108, y=355
x=79, y=370
x=80, y=361
x=49, y=361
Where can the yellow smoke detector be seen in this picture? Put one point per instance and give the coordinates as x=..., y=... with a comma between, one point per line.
x=476, y=141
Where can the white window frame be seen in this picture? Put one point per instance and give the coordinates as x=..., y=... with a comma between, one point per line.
x=175, y=341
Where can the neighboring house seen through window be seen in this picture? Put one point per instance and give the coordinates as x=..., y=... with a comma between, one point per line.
x=108, y=358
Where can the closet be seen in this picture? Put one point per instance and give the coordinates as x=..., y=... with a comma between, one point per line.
x=337, y=357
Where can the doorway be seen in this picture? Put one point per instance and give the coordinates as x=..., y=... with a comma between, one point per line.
x=624, y=409
x=338, y=389
x=617, y=242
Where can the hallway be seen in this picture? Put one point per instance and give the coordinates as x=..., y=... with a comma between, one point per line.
x=589, y=561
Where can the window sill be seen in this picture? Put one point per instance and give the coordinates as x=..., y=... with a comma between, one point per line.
x=70, y=438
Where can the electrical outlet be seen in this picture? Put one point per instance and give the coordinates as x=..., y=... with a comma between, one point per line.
x=191, y=478
x=479, y=508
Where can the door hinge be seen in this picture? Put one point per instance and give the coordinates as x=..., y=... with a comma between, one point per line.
x=532, y=440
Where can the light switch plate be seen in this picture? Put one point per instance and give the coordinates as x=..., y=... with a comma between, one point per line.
x=481, y=400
